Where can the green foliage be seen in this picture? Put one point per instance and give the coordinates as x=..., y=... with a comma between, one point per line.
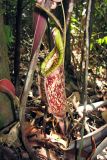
x=74, y=25
x=33, y=1
x=9, y=35
x=102, y=40
x=99, y=18
x=74, y=20
x=105, y=1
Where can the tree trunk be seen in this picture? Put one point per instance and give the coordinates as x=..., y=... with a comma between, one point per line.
x=6, y=114
x=17, y=41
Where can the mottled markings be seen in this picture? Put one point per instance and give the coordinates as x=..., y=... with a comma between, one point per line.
x=55, y=90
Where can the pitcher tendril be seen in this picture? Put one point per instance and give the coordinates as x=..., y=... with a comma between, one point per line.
x=57, y=59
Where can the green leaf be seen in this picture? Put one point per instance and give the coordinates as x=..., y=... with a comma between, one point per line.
x=74, y=20
x=105, y=40
x=74, y=27
x=91, y=46
x=99, y=41
x=102, y=40
x=105, y=1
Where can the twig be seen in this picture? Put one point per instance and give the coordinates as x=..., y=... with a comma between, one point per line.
x=70, y=10
x=64, y=31
x=93, y=148
x=87, y=52
x=24, y=101
x=27, y=87
x=93, y=128
x=91, y=107
x=100, y=147
x=99, y=135
x=86, y=72
x=17, y=42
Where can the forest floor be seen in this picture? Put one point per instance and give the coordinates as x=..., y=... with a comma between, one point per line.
x=42, y=130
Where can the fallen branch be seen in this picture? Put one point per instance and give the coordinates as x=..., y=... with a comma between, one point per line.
x=91, y=107
x=100, y=147
x=99, y=135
